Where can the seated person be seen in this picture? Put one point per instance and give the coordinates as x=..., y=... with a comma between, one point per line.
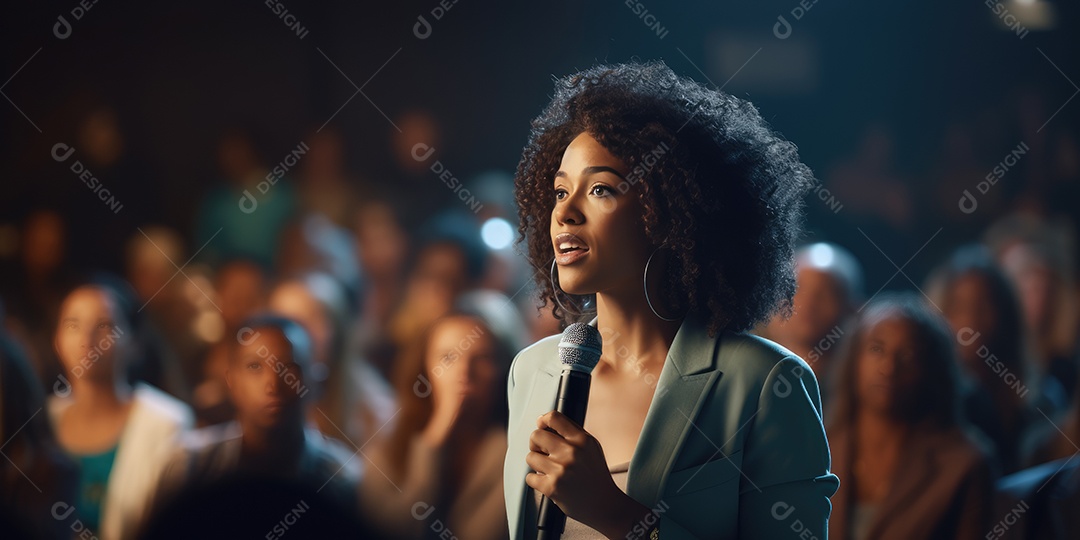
x=829, y=292
x=440, y=467
x=907, y=466
x=267, y=380
x=117, y=433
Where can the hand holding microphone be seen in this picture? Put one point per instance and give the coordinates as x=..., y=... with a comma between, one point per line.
x=569, y=462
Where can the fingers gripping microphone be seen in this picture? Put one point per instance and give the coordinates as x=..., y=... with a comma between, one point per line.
x=579, y=351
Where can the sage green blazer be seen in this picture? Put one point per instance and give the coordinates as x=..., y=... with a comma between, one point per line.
x=732, y=446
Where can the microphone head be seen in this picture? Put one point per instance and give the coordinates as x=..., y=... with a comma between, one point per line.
x=580, y=347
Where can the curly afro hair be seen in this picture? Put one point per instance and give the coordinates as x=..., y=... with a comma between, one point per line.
x=717, y=184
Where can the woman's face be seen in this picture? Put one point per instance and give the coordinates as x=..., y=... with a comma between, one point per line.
x=887, y=368
x=597, y=231
x=89, y=337
x=461, y=361
x=819, y=306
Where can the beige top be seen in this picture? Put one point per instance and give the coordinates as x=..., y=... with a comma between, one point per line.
x=575, y=530
x=407, y=508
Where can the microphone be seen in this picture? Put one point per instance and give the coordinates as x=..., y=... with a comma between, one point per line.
x=579, y=351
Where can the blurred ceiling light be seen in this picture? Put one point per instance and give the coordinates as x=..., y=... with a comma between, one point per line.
x=1029, y=14
x=497, y=233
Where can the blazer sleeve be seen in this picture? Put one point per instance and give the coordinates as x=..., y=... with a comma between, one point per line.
x=786, y=481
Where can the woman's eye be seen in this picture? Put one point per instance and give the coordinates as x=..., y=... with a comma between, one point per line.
x=559, y=194
x=600, y=190
x=254, y=366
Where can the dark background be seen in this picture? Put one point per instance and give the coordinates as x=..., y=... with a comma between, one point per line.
x=179, y=73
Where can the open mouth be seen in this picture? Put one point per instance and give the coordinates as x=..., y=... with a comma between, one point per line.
x=566, y=243
x=569, y=249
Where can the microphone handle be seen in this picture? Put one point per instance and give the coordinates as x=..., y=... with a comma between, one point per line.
x=572, y=400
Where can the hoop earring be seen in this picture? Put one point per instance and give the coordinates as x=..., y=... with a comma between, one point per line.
x=645, y=285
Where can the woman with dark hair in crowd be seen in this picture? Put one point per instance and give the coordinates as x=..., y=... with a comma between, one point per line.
x=440, y=468
x=998, y=387
x=907, y=466
x=667, y=213
x=118, y=433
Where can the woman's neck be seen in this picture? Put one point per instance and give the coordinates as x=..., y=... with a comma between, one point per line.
x=98, y=396
x=634, y=337
x=875, y=432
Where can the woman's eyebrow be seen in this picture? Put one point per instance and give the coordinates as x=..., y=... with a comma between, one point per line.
x=587, y=171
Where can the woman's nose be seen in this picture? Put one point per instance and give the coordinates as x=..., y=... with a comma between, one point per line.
x=567, y=211
x=887, y=366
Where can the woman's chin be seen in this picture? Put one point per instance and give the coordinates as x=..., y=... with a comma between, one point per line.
x=576, y=289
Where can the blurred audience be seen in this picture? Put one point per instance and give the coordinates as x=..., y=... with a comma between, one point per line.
x=240, y=287
x=908, y=468
x=352, y=400
x=1038, y=257
x=987, y=325
x=36, y=474
x=829, y=291
x=381, y=247
x=245, y=217
x=268, y=375
x=117, y=433
x=301, y=287
x=442, y=463
x=449, y=260
x=178, y=306
x=34, y=293
x=324, y=186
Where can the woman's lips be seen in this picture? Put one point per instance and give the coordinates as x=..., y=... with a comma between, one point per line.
x=569, y=248
x=570, y=257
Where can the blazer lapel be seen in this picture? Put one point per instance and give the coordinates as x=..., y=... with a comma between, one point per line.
x=688, y=373
x=542, y=395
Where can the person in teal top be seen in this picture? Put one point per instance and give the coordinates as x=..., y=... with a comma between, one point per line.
x=94, y=470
